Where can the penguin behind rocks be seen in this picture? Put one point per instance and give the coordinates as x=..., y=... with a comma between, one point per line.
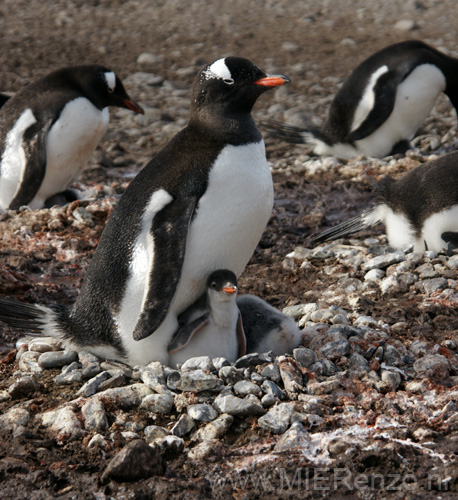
x=212, y=326
x=49, y=130
x=382, y=104
x=420, y=208
x=201, y=204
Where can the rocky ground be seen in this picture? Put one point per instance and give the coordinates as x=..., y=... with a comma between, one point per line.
x=366, y=408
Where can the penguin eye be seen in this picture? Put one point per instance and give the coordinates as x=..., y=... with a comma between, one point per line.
x=228, y=81
x=213, y=285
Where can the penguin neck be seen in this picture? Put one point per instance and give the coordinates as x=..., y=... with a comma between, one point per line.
x=224, y=311
x=230, y=128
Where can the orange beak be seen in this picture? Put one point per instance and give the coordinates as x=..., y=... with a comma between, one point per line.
x=272, y=80
x=132, y=105
x=230, y=289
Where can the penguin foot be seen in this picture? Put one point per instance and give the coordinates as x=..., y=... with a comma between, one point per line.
x=62, y=198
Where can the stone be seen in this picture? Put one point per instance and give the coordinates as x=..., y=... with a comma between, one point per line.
x=126, y=397
x=237, y=406
x=253, y=359
x=184, y=426
x=153, y=432
x=57, y=359
x=305, y=357
x=295, y=438
x=216, y=429
x=209, y=450
x=198, y=363
x=434, y=366
x=230, y=374
x=277, y=419
x=291, y=376
x=198, y=381
x=244, y=387
x=161, y=404
x=63, y=422
x=335, y=350
x=270, y=387
x=202, y=412
x=95, y=418
x=92, y=385
x=170, y=447
x=137, y=460
x=24, y=387
x=324, y=368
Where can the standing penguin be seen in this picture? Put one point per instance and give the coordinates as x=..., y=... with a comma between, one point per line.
x=201, y=204
x=381, y=105
x=49, y=130
x=420, y=208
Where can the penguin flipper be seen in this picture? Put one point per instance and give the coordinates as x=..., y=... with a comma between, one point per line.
x=383, y=104
x=34, y=145
x=184, y=334
x=170, y=228
x=241, y=337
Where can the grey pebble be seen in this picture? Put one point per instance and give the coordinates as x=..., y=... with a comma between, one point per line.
x=304, y=356
x=237, y=406
x=216, y=429
x=270, y=387
x=158, y=403
x=24, y=387
x=95, y=418
x=295, y=438
x=244, y=387
x=92, y=385
x=198, y=381
x=277, y=419
x=202, y=412
x=184, y=425
x=57, y=359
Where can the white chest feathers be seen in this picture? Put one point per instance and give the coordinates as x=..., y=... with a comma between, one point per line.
x=70, y=144
x=13, y=159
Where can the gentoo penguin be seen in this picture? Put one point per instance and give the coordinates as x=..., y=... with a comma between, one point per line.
x=266, y=328
x=49, y=130
x=201, y=204
x=420, y=208
x=212, y=326
x=222, y=324
x=381, y=105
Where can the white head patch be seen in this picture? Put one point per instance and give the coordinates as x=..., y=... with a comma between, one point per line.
x=218, y=70
x=110, y=78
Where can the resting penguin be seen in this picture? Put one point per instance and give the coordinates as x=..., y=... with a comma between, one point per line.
x=201, y=204
x=222, y=324
x=49, y=130
x=212, y=326
x=381, y=105
x=420, y=208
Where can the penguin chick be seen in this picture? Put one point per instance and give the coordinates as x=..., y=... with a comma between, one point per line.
x=382, y=104
x=266, y=328
x=212, y=326
x=420, y=208
x=49, y=130
x=201, y=204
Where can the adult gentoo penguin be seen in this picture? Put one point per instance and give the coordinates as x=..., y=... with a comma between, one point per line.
x=222, y=324
x=212, y=326
x=201, y=204
x=50, y=128
x=381, y=105
x=420, y=208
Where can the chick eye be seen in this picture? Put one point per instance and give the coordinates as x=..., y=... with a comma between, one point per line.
x=229, y=81
x=213, y=285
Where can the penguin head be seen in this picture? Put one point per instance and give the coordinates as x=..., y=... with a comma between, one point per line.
x=233, y=84
x=103, y=87
x=222, y=285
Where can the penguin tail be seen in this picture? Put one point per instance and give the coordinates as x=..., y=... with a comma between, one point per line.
x=363, y=221
x=32, y=319
x=295, y=135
